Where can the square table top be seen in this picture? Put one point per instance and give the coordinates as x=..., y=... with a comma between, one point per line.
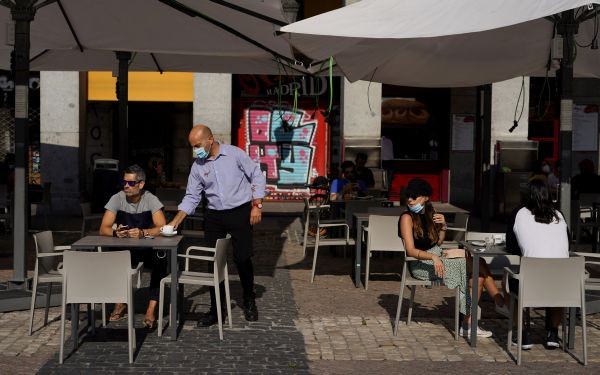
x=493, y=250
x=158, y=242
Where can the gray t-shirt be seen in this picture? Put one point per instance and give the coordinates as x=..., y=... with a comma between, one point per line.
x=136, y=215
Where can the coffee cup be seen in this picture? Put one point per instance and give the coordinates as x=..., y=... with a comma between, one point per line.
x=167, y=229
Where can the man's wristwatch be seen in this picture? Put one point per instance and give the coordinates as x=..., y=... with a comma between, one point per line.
x=258, y=205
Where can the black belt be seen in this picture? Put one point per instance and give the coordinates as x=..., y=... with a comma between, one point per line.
x=231, y=209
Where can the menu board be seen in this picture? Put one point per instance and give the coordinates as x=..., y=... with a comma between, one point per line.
x=585, y=128
x=463, y=131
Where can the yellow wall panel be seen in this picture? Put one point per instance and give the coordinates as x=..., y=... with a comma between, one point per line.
x=144, y=86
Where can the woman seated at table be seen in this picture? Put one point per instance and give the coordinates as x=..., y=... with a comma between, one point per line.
x=423, y=230
x=541, y=232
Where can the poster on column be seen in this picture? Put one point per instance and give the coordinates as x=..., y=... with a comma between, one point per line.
x=463, y=130
x=585, y=128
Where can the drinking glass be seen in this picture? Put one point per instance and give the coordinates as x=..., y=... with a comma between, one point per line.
x=489, y=242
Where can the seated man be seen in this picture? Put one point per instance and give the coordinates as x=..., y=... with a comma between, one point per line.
x=136, y=214
x=363, y=173
x=348, y=185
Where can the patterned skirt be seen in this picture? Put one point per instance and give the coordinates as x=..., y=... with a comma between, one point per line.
x=455, y=275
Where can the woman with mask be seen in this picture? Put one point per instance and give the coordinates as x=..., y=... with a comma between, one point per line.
x=423, y=231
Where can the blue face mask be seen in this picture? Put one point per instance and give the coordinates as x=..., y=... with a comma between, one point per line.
x=201, y=153
x=416, y=208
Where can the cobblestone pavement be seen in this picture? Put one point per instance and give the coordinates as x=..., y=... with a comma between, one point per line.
x=329, y=327
x=270, y=345
x=349, y=330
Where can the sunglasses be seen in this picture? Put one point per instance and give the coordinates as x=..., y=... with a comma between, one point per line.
x=130, y=183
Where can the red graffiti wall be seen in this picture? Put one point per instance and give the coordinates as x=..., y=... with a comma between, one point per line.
x=290, y=145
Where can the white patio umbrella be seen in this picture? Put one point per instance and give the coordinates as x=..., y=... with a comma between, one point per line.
x=206, y=36
x=233, y=36
x=432, y=43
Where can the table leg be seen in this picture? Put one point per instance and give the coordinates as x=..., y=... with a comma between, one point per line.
x=357, y=254
x=474, y=299
x=571, y=330
x=174, y=273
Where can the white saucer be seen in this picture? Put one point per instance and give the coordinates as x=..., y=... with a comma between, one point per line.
x=477, y=243
x=168, y=235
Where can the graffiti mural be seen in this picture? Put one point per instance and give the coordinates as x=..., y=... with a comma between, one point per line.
x=283, y=142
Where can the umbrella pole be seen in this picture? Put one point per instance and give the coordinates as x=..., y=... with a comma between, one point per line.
x=567, y=28
x=123, y=97
x=23, y=13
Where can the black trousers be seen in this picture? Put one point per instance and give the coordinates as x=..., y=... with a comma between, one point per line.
x=236, y=222
x=155, y=260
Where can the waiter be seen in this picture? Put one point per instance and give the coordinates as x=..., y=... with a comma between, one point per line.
x=234, y=187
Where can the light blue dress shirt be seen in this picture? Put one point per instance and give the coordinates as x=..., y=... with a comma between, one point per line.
x=228, y=180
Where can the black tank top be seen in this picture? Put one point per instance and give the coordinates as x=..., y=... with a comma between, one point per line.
x=421, y=243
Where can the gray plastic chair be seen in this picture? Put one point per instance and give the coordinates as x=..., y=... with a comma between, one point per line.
x=220, y=274
x=46, y=261
x=344, y=240
x=412, y=283
x=548, y=283
x=138, y=274
x=591, y=259
x=311, y=211
x=87, y=215
x=456, y=230
x=382, y=236
x=95, y=277
x=387, y=211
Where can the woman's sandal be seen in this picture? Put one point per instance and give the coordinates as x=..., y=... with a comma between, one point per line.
x=149, y=323
x=115, y=316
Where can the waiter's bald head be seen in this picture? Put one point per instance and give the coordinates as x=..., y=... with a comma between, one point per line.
x=199, y=133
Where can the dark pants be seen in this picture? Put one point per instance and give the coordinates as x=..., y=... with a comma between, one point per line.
x=155, y=260
x=236, y=222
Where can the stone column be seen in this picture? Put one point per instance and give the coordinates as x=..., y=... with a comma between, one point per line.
x=212, y=103
x=504, y=102
x=360, y=117
x=60, y=138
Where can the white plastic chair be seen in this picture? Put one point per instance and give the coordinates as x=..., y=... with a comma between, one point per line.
x=95, y=277
x=46, y=271
x=311, y=211
x=545, y=282
x=412, y=283
x=382, y=236
x=137, y=272
x=220, y=274
x=345, y=240
x=591, y=259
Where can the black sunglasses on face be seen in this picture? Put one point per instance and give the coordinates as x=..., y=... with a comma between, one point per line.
x=130, y=183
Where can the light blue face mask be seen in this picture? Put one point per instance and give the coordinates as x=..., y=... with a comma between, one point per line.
x=201, y=153
x=416, y=208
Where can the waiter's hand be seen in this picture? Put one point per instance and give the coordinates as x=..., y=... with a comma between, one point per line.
x=255, y=215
